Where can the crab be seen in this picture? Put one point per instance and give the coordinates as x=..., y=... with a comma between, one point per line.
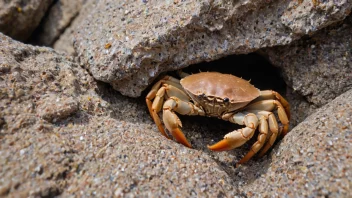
x=223, y=96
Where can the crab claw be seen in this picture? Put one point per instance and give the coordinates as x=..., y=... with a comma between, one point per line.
x=234, y=139
x=223, y=145
x=172, y=123
x=180, y=137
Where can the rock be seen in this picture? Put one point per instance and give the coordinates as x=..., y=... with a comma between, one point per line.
x=306, y=17
x=34, y=158
x=109, y=143
x=317, y=68
x=58, y=18
x=2, y=121
x=53, y=107
x=65, y=41
x=300, y=107
x=63, y=134
x=33, y=76
x=129, y=44
x=129, y=160
x=18, y=18
x=314, y=159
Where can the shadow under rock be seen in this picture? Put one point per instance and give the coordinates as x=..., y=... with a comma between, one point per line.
x=124, y=108
x=251, y=67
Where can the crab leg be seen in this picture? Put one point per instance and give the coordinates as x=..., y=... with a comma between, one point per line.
x=270, y=94
x=158, y=94
x=274, y=132
x=269, y=105
x=166, y=80
x=238, y=137
x=155, y=107
x=171, y=120
x=263, y=132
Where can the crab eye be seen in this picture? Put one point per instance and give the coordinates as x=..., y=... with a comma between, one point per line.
x=201, y=95
x=226, y=99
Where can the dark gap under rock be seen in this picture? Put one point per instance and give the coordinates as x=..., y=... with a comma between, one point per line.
x=251, y=67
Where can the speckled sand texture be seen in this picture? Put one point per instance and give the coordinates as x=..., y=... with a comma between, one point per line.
x=38, y=87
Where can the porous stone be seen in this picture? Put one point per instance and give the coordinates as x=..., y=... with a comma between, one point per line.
x=55, y=107
x=34, y=158
x=300, y=107
x=318, y=68
x=58, y=17
x=65, y=42
x=129, y=160
x=109, y=143
x=128, y=44
x=19, y=18
x=306, y=17
x=29, y=75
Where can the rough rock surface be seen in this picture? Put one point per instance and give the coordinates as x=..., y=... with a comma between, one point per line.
x=65, y=41
x=108, y=146
x=300, y=107
x=59, y=16
x=130, y=160
x=19, y=18
x=318, y=69
x=38, y=87
x=128, y=44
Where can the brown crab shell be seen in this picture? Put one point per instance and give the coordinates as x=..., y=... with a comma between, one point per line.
x=207, y=87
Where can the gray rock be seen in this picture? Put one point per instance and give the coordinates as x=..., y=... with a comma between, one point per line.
x=300, y=107
x=313, y=160
x=58, y=18
x=65, y=41
x=306, y=17
x=34, y=159
x=110, y=142
x=33, y=76
x=130, y=160
x=54, y=107
x=129, y=44
x=18, y=18
x=317, y=68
